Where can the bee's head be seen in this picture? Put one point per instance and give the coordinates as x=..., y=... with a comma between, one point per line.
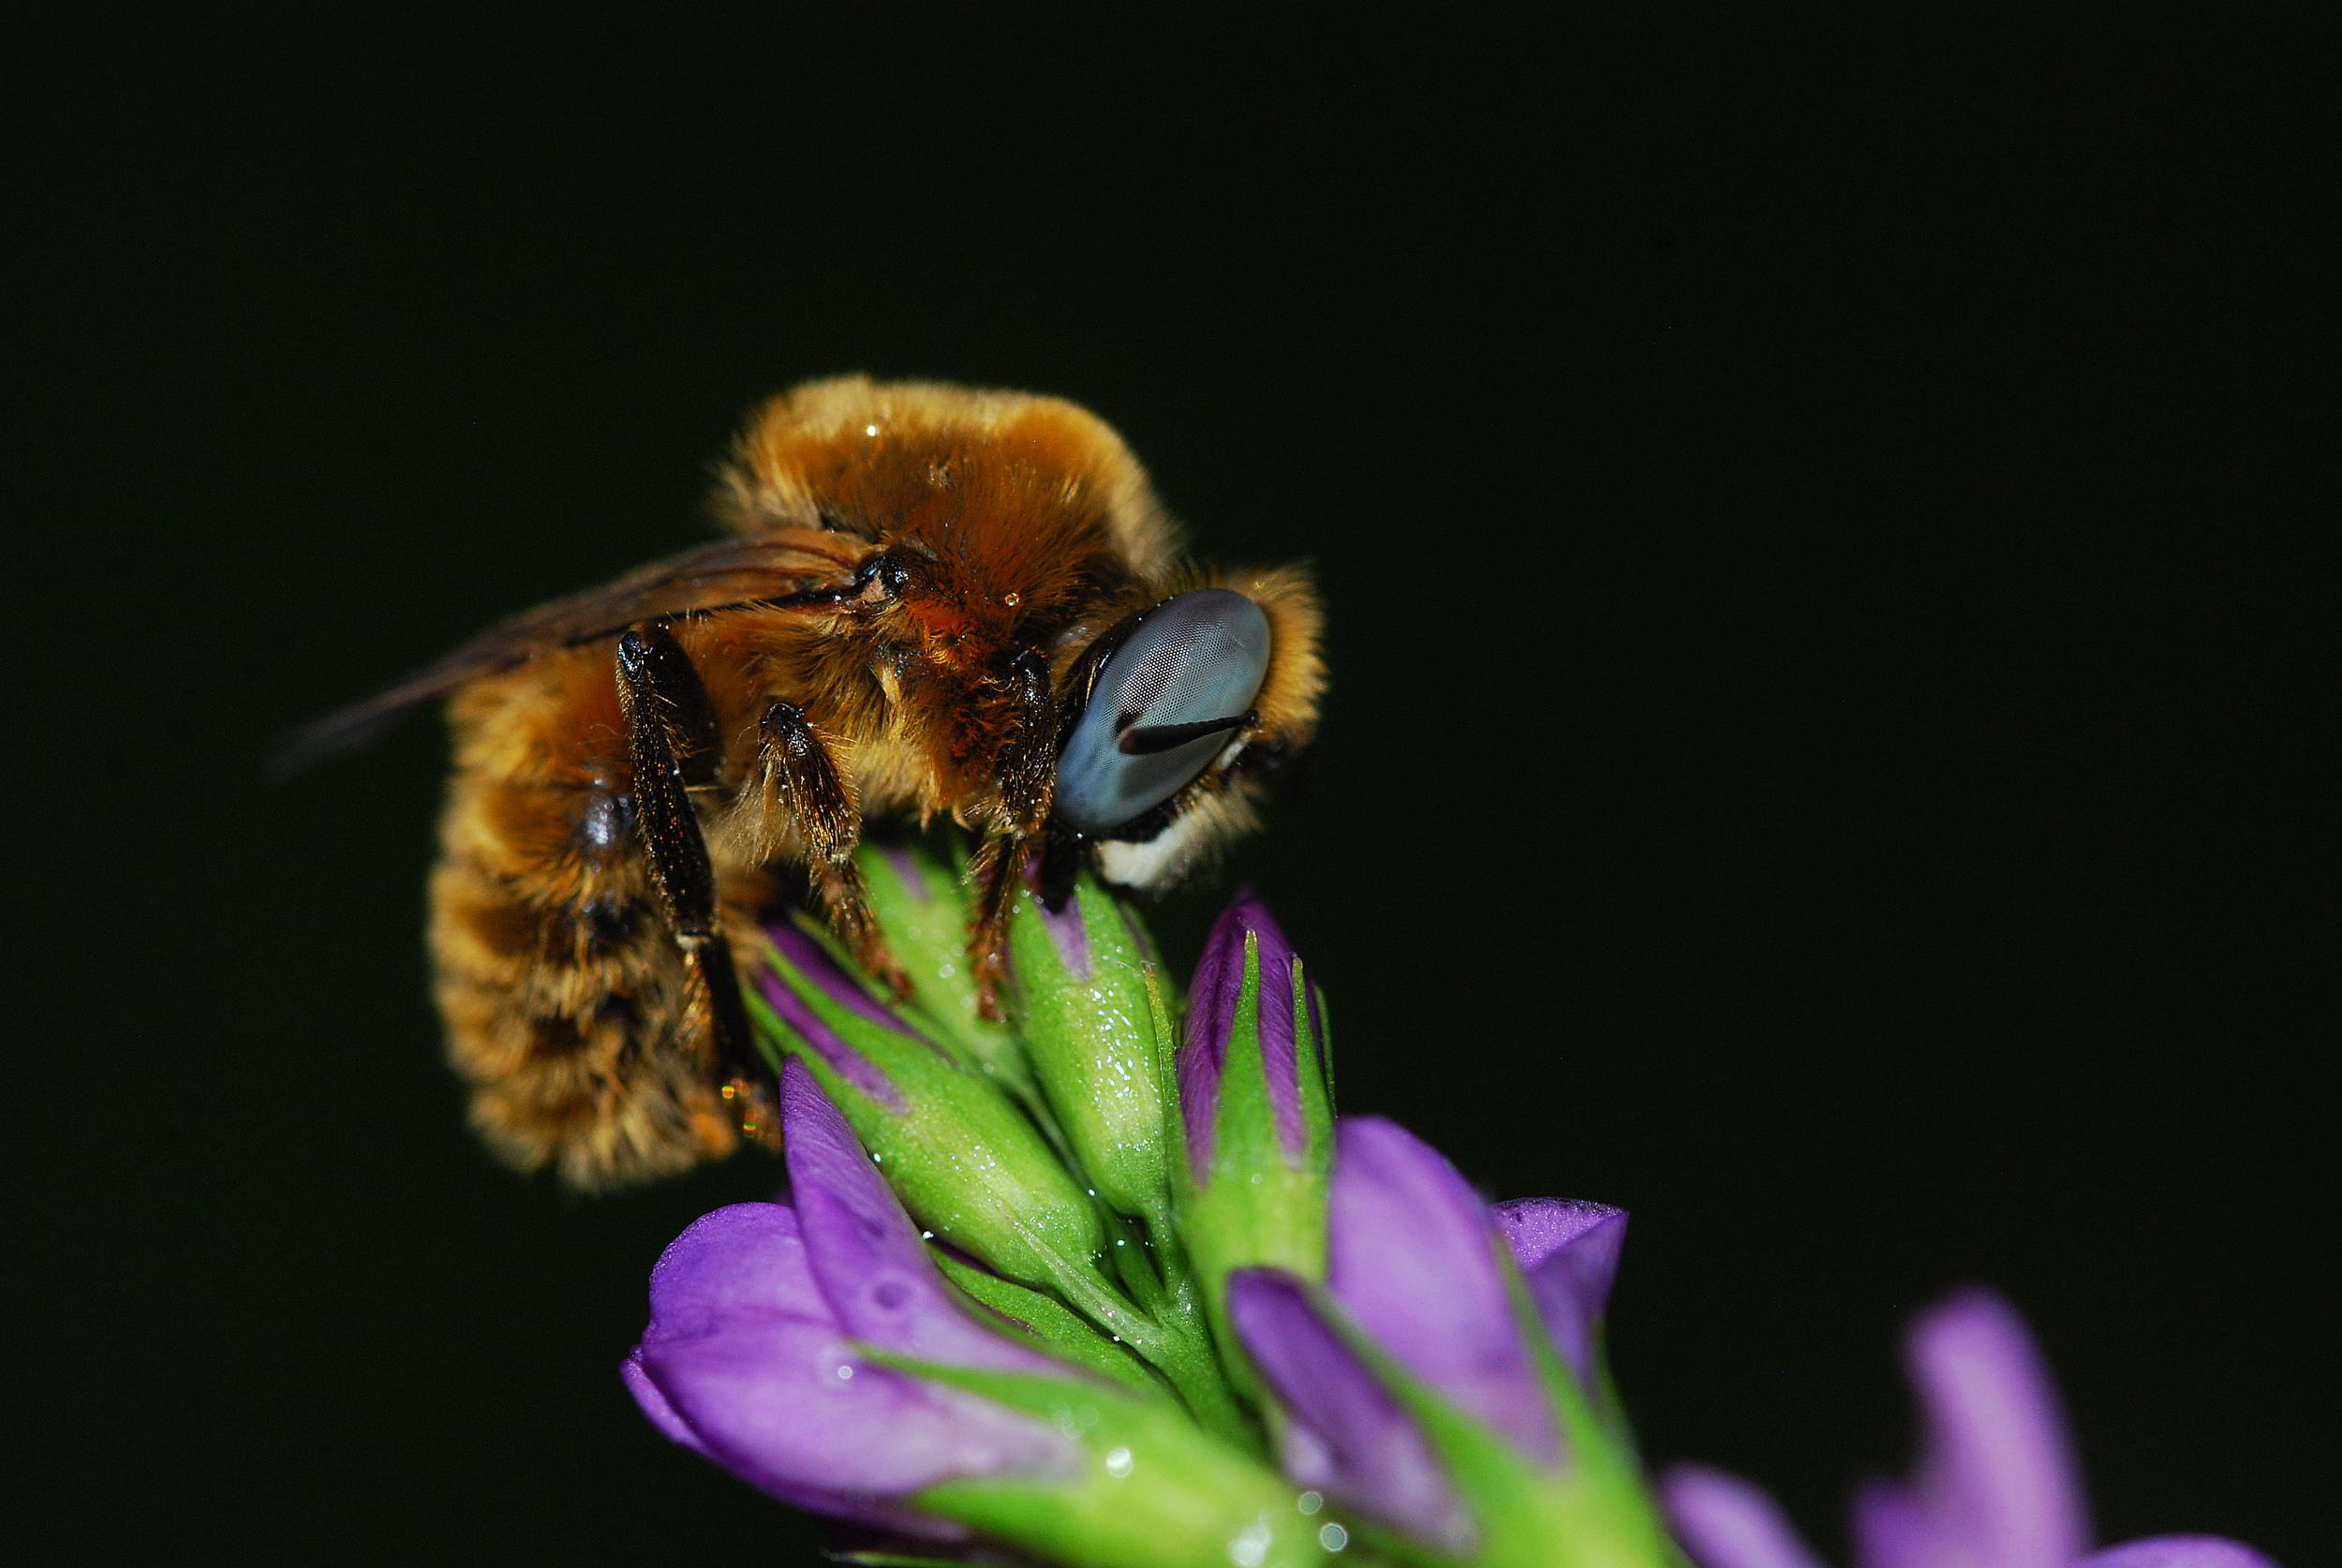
x=1169, y=696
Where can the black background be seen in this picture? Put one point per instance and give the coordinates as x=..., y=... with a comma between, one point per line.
x=1812, y=511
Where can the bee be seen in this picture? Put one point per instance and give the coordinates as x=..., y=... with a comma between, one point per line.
x=933, y=602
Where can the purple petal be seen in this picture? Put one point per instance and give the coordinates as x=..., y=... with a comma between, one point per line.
x=1064, y=926
x=1724, y=1522
x=1996, y=1473
x=1892, y=1529
x=811, y=960
x=905, y=868
x=1536, y=1228
x=1411, y=1256
x=2179, y=1551
x=873, y=1270
x=744, y=1363
x=1211, y=1004
x=1346, y=1434
x=1568, y=1249
x=654, y=1404
x=793, y=1408
x=748, y=1257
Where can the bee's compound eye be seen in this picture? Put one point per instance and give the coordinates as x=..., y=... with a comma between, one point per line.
x=1163, y=708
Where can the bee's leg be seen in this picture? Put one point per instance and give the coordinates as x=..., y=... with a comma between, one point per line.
x=994, y=871
x=1028, y=780
x=673, y=744
x=807, y=792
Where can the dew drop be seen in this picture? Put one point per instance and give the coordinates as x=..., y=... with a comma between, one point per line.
x=1332, y=1537
x=1250, y=1549
x=1117, y=1463
x=1309, y=1502
x=870, y=430
x=845, y=1371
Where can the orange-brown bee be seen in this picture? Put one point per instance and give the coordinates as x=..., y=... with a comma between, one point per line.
x=936, y=602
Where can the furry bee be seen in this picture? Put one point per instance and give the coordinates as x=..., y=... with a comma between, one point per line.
x=934, y=602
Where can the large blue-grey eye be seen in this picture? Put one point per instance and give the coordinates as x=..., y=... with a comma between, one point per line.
x=1163, y=708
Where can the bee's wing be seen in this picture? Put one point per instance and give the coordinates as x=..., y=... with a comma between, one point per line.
x=729, y=574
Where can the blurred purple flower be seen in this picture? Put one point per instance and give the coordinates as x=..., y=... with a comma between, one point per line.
x=1996, y=1486
x=755, y=1352
x=1418, y=1271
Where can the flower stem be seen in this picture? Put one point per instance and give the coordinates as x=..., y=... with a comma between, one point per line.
x=1174, y=1347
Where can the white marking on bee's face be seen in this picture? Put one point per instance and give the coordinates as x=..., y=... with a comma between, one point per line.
x=1150, y=864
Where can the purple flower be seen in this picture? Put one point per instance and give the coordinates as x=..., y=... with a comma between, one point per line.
x=1247, y=1058
x=1420, y=1300
x=763, y=1316
x=1258, y=1108
x=814, y=1349
x=1996, y=1486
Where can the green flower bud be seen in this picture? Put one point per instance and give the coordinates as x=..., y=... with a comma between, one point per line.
x=1089, y=1004
x=1258, y=1112
x=967, y=1163
x=922, y=910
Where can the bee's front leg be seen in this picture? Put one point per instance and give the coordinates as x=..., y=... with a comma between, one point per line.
x=673, y=746
x=1027, y=780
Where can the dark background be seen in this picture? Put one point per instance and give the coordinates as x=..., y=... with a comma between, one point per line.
x=1812, y=511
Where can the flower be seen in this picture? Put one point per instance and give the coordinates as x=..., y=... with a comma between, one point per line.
x=1257, y=1107
x=1995, y=1484
x=1253, y=1063
x=814, y=1349
x=762, y=1319
x=1142, y=1273
x=1439, y=1378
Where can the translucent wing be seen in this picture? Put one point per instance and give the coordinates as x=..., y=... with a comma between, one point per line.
x=804, y=567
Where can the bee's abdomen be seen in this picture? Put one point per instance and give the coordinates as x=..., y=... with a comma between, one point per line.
x=562, y=991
